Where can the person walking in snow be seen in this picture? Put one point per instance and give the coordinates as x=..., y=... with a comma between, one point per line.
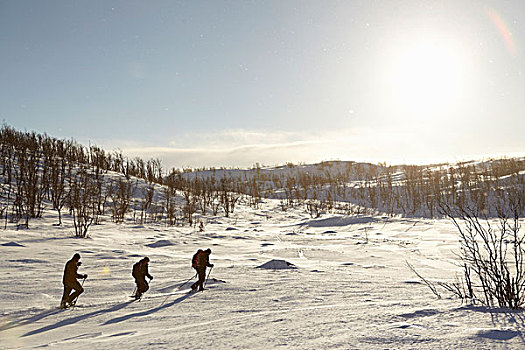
x=140, y=272
x=199, y=262
x=70, y=282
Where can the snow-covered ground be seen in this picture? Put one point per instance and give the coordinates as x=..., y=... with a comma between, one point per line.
x=351, y=288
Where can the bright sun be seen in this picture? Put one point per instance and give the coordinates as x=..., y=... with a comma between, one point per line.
x=427, y=78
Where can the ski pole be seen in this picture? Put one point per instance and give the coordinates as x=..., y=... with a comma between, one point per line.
x=207, y=277
x=189, y=279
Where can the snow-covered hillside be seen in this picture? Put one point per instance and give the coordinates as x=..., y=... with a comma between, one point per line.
x=408, y=190
x=306, y=256
x=351, y=288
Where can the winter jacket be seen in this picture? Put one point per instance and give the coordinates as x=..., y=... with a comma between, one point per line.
x=71, y=272
x=140, y=271
x=201, y=259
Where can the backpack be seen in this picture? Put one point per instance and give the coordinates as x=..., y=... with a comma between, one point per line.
x=194, y=259
x=135, y=273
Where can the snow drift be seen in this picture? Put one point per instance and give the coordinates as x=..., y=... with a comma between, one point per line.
x=277, y=264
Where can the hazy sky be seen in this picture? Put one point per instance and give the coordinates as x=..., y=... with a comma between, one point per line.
x=212, y=83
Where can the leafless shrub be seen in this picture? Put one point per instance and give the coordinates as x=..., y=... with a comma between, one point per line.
x=430, y=285
x=492, y=256
x=315, y=208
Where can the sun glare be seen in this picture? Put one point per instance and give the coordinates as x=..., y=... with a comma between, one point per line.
x=427, y=78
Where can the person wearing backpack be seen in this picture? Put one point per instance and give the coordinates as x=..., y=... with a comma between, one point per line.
x=69, y=280
x=199, y=261
x=140, y=272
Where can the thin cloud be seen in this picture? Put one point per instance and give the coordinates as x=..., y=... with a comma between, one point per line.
x=245, y=148
x=234, y=138
x=236, y=156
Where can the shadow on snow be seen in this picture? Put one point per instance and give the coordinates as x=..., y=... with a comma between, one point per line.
x=147, y=312
x=504, y=320
x=29, y=320
x=76, y=319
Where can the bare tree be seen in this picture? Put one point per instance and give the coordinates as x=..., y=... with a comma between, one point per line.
x=171, y=206
x=82, y=202
x=120, y=193
x=190, y=205
x=57, y=188
x=148, y=194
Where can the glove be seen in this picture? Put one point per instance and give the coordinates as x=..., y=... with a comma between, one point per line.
x=85, y=276
x=79, y=263
x=151, y=278
x=211, y=265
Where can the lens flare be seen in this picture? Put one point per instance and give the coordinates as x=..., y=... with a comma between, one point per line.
x=503, y=30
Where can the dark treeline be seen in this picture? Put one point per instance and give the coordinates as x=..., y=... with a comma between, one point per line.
x=88, y=184
x=38, y=170
x=488, y=188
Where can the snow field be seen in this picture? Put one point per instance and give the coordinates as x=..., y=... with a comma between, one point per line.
x=346, y=293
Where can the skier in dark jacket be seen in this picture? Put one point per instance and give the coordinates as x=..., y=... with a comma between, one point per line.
x=140, y=272
x=199, y=262
x=70, y=281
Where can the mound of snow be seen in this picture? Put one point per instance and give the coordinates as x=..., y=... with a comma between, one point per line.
x=338, y=221
x=12, y=244
x=277, y=264
x=160, y=243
